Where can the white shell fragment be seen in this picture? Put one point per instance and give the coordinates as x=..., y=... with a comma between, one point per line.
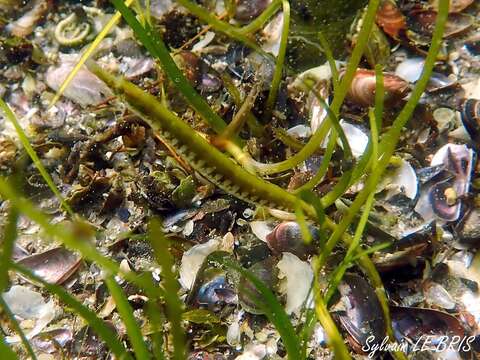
x=435, y=294
x=356, y=138
x=193, y=259
x=273, y=35
x=261, y=229
x=26, y=304
x=410, y=69
x=85, y=89
x=296, y=279
x=401, y=180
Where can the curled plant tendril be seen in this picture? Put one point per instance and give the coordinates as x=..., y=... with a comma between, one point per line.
x=69, y=32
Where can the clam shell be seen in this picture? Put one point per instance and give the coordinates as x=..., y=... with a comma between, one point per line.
x=54, y=266
x=362, y=89
x=391, y=19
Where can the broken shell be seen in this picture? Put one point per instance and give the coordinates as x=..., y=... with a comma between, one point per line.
x=247, y=10
x=470, y=116
x=458, y=163
x=362, y=89
x=296, y=278
x=437, y=295
x=23, y=26
x=455, y=5
x=410, y=69
x=391, y=19
x=363, y=316
x=356, y=137
x=26, y=304
x=287, y=237
x=401, y=179
x=54, y=266
x=51, y=341
x=85, y=89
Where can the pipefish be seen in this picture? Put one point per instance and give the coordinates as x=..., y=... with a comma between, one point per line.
x=204, y=158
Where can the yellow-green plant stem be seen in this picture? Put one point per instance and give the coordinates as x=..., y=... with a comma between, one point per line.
x=331, y=60
x=236, y=125
x=277, y=75
x=255, y=127
x=334, y=338
x=260, y=21
x=126, y=313
x=113, y=21
x=8, y=243
x=338, y=99
x=33, y=155
x=159, y=243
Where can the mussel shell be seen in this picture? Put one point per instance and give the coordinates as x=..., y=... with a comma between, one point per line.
x=287, y=237
x=54, y=266
x=455, y=5
x=248, y=295
x=413, y=323
x=216, y=293
x=422, y=21
x=391, y=19
x=247, y=10
x=364, y=317
x=440, y=206
x=467, y=231
x=212, y=288
x=470, y=115
x=407, y=250
x=362, y=89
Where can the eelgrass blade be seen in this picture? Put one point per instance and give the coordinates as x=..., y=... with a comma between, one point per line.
x=6, y=351
x=157, y=48
x=156, y=323
x=98, y=325
x=8, y=243
x=331, y=60
x=274, y=310
x=33, y=155
x=174, y=305
x=126, y=313
x=16, y=327
x=311, y=198
x=277, y=74
x=93, y=46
